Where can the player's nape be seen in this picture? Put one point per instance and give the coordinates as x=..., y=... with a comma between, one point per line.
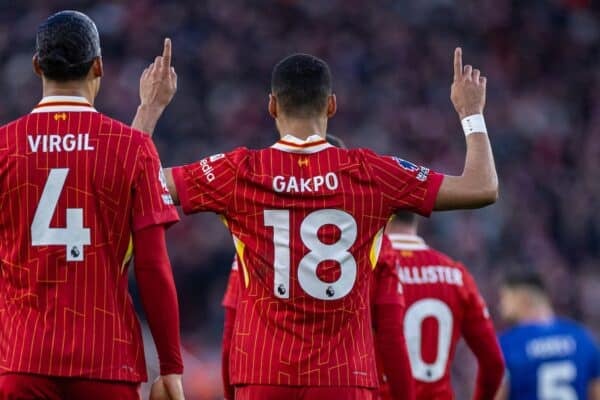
x=67, y=44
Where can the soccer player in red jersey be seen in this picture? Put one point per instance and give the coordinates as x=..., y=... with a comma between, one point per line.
x=79, y=191
x=443, y=304
x=387, y=308
x=307, y=220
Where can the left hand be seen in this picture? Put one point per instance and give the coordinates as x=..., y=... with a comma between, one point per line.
x=158, y=82
x=167, y=387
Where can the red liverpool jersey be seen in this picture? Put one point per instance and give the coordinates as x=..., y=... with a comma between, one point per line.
x=442, y=304
x=307, y=220
x=74, y=185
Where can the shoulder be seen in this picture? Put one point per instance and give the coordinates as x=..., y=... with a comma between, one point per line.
x=444, y=259
x=6, y=131
x=580, y=331
x=17, y=124
x=14, y=124
x=570, y=326
x=233, y=158
x=108, y=125
x=512, y=336
x=367, y=155
x=117, y=133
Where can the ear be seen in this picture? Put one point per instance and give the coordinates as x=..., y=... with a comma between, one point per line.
x=36, y=65
x=331, y=106
x=273, y=106
x=97, y=69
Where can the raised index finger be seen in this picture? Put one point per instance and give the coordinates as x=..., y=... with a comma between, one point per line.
x=167, y=53
x=458, y=68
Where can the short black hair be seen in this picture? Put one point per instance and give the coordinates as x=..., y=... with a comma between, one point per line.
x=335, y=141
x=524, y=277
x=405, y=217
x=66, y=45
x=301, y=83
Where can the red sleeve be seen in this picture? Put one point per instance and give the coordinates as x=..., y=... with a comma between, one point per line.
x=480, y=336
x=153, y=274
x=387, y=288
x=208, y=185
x=391, y=346
x=226, y=349
x=233, y=287
x=152, y=203
x=404, y=185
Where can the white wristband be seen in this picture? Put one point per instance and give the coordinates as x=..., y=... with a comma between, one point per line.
x=473, y=123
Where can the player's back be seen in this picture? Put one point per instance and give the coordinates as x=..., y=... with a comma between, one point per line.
x=557, y=359
x=440, y=297
x=68, y=180
x=307, y=219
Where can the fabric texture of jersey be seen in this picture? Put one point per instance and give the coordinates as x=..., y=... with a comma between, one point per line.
x=442, y=304
x=74, y=185
x=550, y=359
x=232, y=292
x=307, y=220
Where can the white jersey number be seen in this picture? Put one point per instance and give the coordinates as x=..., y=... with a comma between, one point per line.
x=319, y=252
x=413, y=332
x=555, y=381
x=74, y=236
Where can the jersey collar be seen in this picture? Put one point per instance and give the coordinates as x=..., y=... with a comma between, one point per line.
x=407, y=242
x=292, y=144
x=63, y=103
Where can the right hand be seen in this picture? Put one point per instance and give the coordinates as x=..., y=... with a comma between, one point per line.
x=468, y=89
x=167, y=387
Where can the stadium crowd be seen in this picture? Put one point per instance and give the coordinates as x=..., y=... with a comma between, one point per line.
x=391, y=62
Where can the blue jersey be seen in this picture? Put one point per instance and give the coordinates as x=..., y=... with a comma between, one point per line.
x=550, y=361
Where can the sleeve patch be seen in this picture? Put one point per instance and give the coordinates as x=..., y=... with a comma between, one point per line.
x=407, y=165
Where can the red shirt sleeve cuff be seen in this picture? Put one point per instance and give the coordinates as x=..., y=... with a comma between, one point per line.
x=434, y=182
x=167, y=218
x=182, y=192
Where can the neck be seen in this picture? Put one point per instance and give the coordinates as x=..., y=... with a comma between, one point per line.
x=541, y=314
x=75, y=88
x=302, y=128
x=401, y=229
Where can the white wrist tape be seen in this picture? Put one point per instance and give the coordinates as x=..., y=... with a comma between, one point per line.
x=473, y=123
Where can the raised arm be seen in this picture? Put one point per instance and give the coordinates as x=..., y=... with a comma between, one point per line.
x=158, y=85
x=478, y=184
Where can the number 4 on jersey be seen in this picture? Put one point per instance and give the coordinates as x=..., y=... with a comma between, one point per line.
x=74, y=236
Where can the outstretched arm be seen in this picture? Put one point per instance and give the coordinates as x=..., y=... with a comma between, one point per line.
x=478, y=184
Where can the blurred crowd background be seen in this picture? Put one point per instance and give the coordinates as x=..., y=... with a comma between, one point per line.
x=391, y=62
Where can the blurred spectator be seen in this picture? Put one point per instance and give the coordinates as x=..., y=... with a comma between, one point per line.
x=391, y=62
